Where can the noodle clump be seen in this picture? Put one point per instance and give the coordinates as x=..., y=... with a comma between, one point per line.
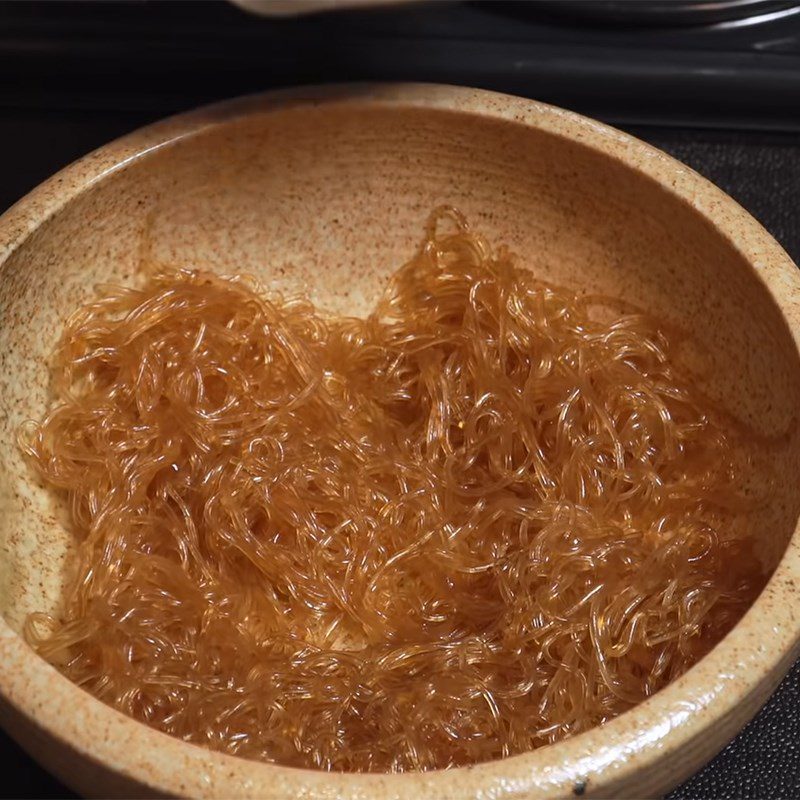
x=473, y=523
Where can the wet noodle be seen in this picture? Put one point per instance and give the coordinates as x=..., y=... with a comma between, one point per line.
x=473, y=523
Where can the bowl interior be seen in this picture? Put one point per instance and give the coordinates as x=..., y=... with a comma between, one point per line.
x=328, y=200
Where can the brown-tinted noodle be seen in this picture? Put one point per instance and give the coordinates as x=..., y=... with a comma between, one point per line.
x=471, y=524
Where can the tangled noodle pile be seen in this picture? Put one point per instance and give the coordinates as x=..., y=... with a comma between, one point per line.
x=471, y=524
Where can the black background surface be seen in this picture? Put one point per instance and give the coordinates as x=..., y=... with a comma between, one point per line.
x=54, y=107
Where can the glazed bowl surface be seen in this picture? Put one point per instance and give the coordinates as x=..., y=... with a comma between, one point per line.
x=326, y=192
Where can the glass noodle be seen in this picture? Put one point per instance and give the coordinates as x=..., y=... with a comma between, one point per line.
x=473, y=523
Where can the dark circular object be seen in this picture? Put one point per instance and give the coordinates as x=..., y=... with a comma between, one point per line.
x=664, y=13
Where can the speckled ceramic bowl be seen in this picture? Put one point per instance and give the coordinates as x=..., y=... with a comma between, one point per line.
x=327, y=191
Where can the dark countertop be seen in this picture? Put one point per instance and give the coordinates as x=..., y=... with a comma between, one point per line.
x=760, y=170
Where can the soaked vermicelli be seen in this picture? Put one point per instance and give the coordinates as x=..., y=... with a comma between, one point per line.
x=473, y=523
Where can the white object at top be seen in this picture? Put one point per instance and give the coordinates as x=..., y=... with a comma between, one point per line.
x=289, y=8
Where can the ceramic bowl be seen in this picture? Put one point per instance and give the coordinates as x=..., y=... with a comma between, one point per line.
x=326, y=191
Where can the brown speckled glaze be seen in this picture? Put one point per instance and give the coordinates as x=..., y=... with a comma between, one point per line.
x=326, y=191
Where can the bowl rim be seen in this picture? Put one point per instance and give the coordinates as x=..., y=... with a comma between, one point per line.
x=721, y=690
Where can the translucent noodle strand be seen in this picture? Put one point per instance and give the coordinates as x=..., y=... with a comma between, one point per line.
x=475, y=522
